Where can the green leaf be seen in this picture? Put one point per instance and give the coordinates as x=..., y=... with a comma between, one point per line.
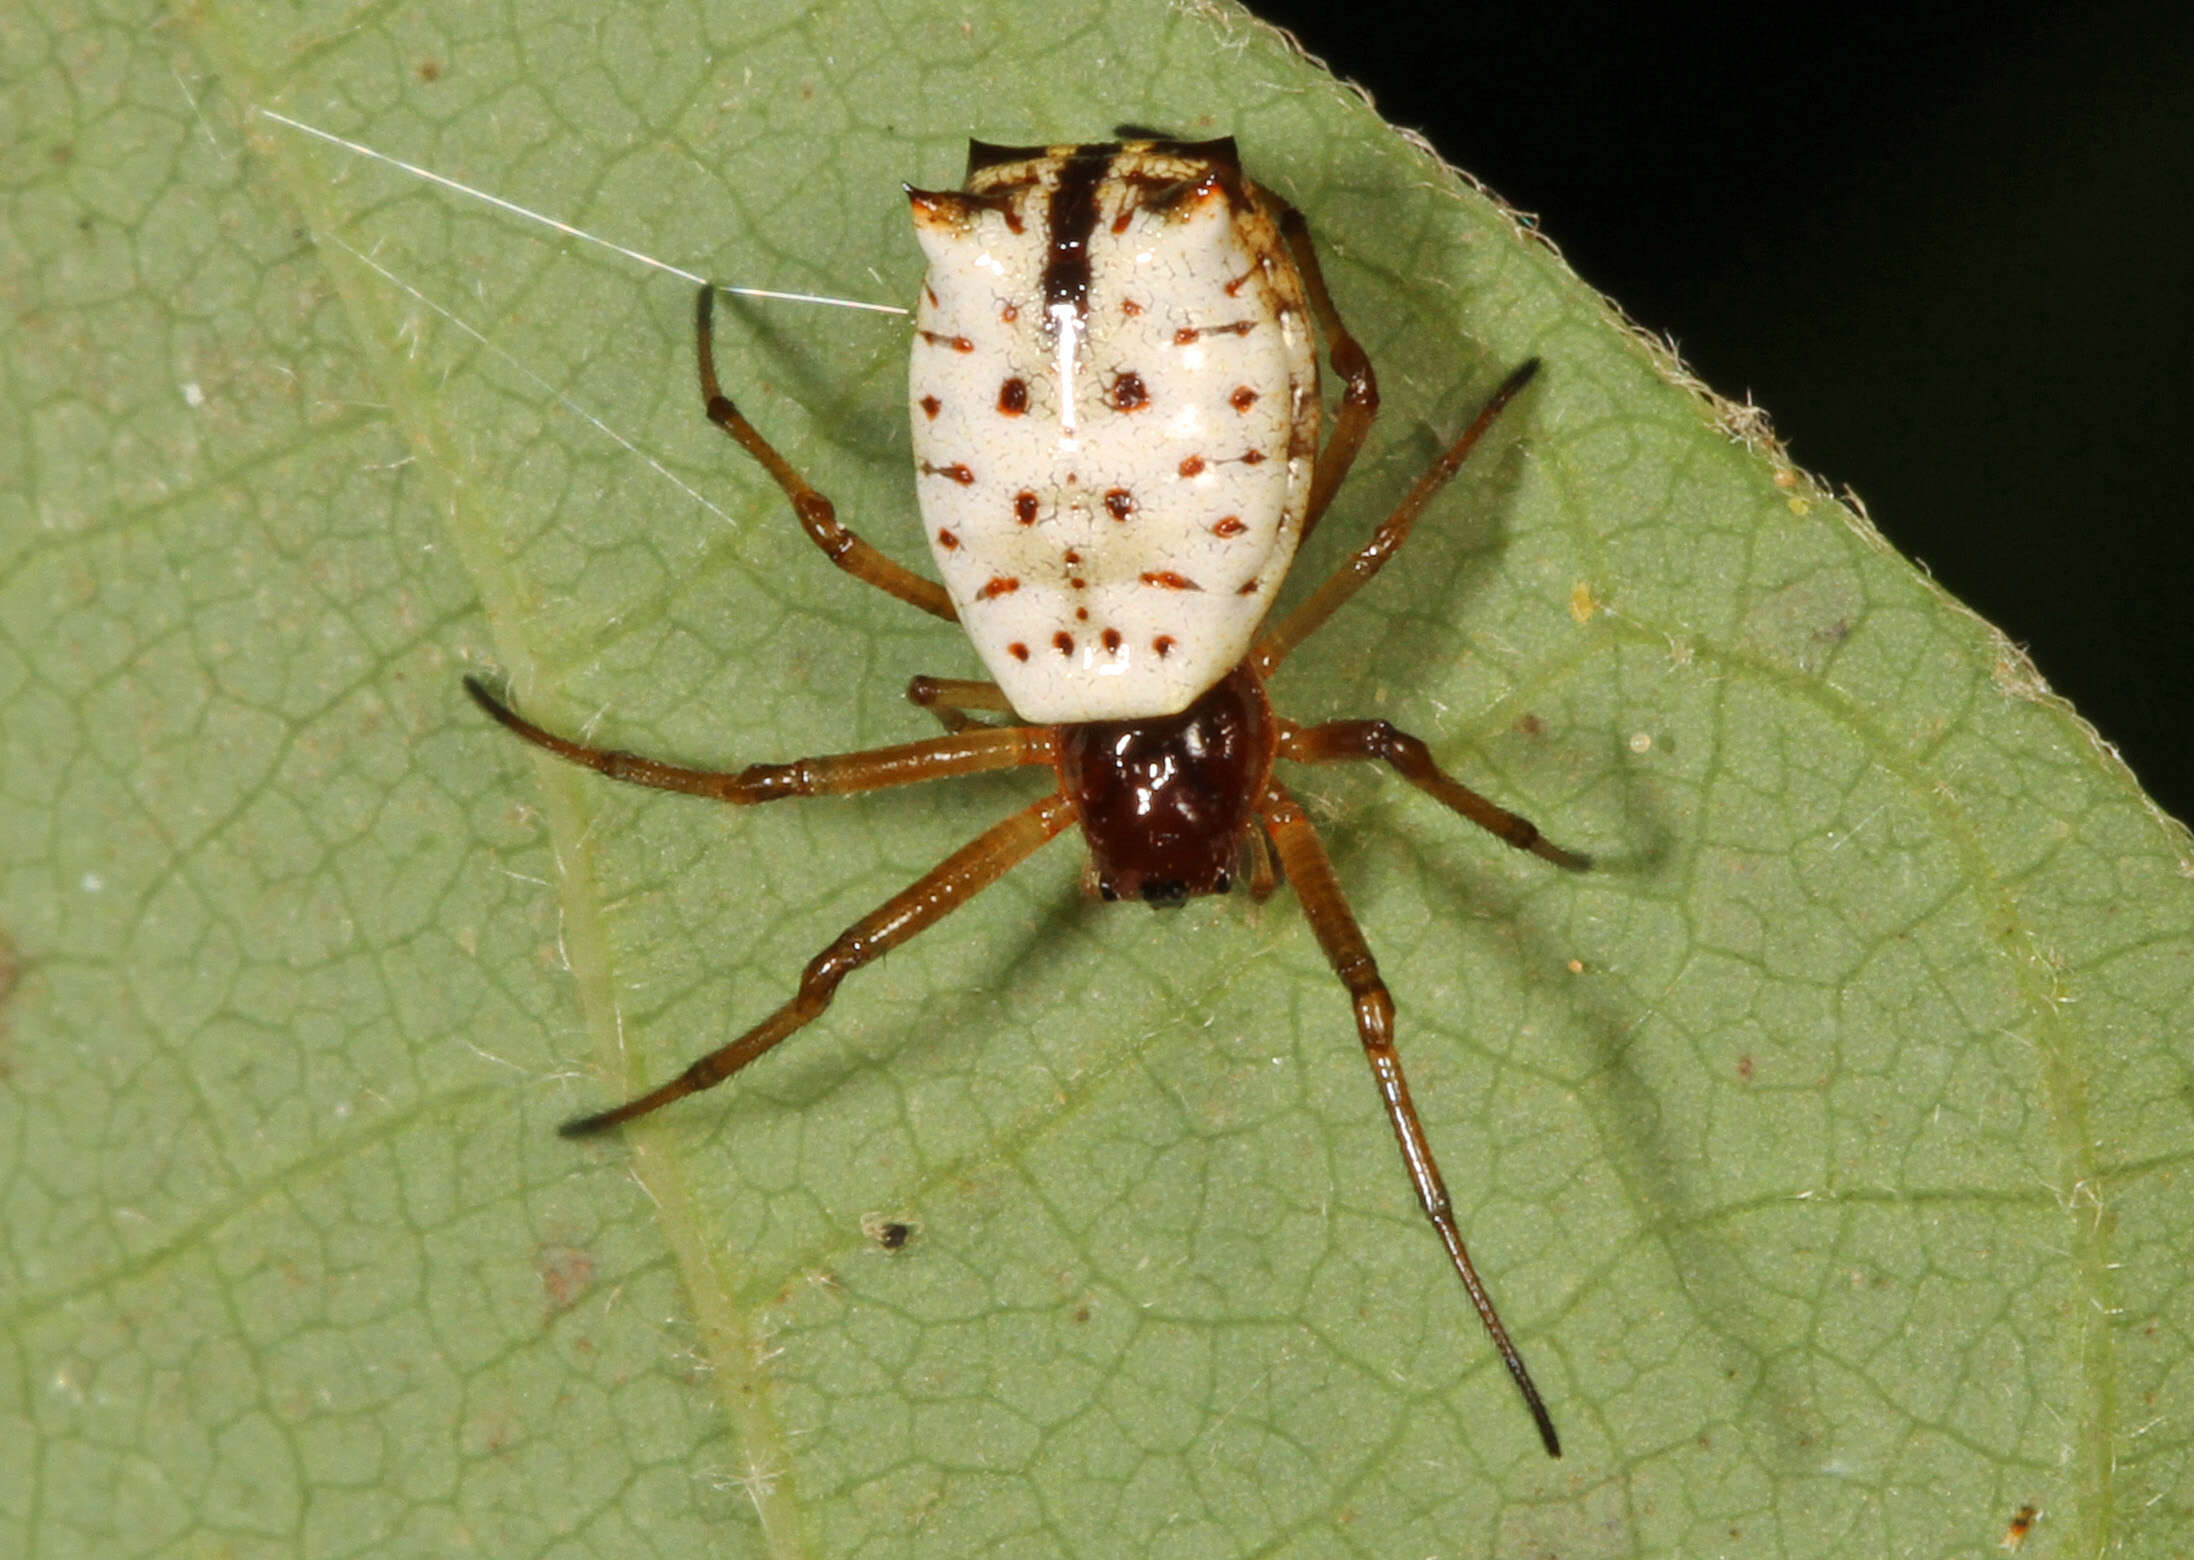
x=1826, y=1149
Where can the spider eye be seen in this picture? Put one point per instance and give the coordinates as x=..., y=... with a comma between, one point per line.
x=1166, y=894
x=1223, y=883
x=1107, y=892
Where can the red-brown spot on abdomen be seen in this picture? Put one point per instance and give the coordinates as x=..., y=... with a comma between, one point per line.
x=1242, y=399
x=1168, y=580
x=1230, y=526
x=1010, y=313
x=1185, y=335
x=957, y=343
x=1129, y=393
x=1193, y=466
x=931, y=406
x=1119, y=503
x=1130, y=308
x=1013, y=397
x=998, y=585
x=1163, y=644
x=1063, y=642
x=1253, y=457
x=1024, y=507
x=947, y=540
x=1249, y=587
x=1072, y=557
x=957, y=471
x=1112, y=640
x=1017, y=650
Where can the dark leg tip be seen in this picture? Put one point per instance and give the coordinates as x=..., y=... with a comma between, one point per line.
x=587, y=1126
x=494, y=706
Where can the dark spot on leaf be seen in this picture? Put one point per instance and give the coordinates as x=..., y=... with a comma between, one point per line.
x=566, y=1274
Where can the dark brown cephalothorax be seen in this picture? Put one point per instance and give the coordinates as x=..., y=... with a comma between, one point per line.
x=1171, y=805
x=1167, y=803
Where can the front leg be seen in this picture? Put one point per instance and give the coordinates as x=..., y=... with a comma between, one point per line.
x=816, y=514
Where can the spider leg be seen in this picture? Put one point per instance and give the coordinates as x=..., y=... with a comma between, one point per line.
x=841, y=774
x=1340, y=740
x=818, y=516
x=1360, y=398
x=1310, y=870
x=1357, y=569
x=942, y=890
x=950, y=698
x=1264, y=869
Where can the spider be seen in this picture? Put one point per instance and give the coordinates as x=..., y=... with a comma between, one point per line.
x=1052, y=363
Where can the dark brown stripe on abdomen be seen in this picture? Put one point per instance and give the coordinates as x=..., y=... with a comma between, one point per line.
x=1073, y=218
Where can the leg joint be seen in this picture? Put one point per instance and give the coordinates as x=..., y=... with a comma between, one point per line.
x=1375, y=1016
x=1394, y=746
x=830, y=967
x=773, y=782
x=1353, y=364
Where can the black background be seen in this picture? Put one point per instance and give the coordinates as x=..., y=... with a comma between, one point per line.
x=1951, y=259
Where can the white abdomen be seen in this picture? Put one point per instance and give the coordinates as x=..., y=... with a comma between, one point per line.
x=1115, y=418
